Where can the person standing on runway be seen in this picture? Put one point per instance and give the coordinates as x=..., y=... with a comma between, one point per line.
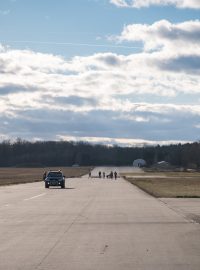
x=111, y=174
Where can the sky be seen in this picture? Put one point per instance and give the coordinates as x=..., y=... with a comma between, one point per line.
x=122, y=72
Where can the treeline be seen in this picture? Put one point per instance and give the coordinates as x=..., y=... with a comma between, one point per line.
x=63, y=153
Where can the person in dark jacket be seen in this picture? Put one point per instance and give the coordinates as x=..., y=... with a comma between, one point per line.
x=111, y=174
x=44, y=175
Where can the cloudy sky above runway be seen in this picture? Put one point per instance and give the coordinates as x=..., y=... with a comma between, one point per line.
x=121, y=72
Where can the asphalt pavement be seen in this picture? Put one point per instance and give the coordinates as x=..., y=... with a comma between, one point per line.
x=93, y=224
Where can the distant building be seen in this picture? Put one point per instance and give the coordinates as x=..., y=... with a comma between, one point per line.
x=163, y=165
x=75, y=165
x=139, y=163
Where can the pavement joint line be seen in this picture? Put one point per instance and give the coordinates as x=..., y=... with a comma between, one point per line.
x=34, y=197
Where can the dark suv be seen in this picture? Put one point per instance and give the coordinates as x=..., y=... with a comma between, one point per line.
x=55, y=178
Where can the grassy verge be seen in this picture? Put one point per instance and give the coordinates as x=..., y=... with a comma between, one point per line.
x=9, y=176
x=169, y=187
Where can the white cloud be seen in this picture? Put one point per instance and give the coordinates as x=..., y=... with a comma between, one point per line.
x=120, y=3
x=163, y=34
x=194, y=4
x=169, y=46
x=95, y=75
x=103, y=95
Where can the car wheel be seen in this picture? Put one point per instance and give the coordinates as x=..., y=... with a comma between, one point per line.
x=63, y=185
x=46, y=185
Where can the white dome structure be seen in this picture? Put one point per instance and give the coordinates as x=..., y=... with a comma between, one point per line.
x=139, y=163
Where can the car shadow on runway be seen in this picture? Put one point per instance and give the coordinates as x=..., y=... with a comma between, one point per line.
x=61, y=188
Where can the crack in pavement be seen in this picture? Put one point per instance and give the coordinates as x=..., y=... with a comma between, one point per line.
x=65, y=232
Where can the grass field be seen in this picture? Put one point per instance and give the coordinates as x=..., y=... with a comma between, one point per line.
x=168, y=184
x=10, y=176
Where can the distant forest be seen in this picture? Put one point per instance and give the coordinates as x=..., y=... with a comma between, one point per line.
x=62, y=153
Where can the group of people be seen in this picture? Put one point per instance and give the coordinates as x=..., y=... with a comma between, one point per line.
x=111, y=175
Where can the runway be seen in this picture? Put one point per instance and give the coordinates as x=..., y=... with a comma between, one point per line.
x=93, y=224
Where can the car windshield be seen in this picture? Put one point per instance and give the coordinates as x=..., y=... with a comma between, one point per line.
x=54, y=174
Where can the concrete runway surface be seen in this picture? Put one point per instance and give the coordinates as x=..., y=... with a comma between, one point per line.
x=93, y=224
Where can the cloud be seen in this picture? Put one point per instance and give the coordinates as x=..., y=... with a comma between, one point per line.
x=104, y=95
x=193, y=4
x=168, y=121
x=70, y=100
x=164, y=34
x=169, y=46
x=11, y=89
x=190, y=63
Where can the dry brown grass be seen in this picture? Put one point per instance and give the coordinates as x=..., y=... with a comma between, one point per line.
x=10, y=176
x=168, y=184
x=165, y=174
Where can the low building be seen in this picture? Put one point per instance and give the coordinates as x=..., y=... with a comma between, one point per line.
x=163, y=164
